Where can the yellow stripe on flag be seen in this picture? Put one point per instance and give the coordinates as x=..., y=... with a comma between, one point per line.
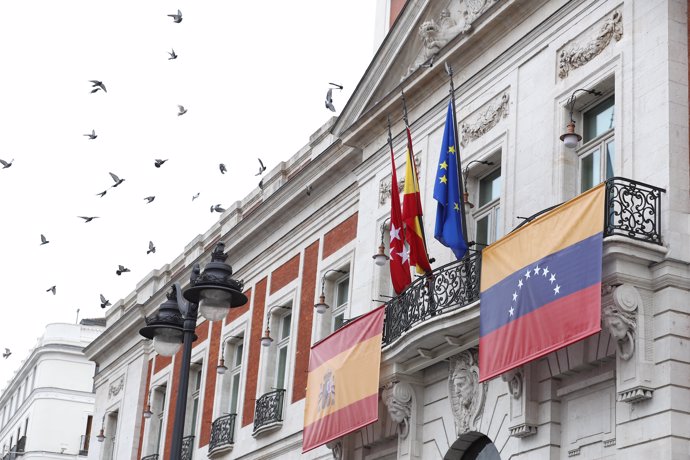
x=541, y=237
x=356, y=376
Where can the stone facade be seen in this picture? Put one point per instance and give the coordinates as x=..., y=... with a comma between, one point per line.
x=620, y=393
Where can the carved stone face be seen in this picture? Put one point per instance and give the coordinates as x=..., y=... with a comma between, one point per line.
x=462, y=381
x=617, y=328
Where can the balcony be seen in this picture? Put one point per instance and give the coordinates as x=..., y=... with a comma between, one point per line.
x=268, y=414
x=150, y=457
x=222, y=434
x=445, y=303
x=187, y=448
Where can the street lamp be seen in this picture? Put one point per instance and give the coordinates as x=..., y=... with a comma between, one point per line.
x=221, y=368
x=212, y=293
x=465, y=197
x=570, y=138
x=101, y=434
x=147, y=411
x=267, y=340
x=321, y=307
x=380, y=258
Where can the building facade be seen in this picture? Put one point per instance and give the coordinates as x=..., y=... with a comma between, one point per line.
x=46, y=410
x=523, y=70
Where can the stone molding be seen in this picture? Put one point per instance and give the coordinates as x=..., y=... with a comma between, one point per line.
x=336, y=449
x=576, y=55
x=489, y=117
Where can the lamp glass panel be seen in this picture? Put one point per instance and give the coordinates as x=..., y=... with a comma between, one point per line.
x=166, y=345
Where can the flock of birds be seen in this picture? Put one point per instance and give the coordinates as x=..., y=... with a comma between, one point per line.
x=98, y=86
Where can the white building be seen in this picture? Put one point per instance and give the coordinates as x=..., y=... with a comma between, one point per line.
x=322, y=214
x=46, y=410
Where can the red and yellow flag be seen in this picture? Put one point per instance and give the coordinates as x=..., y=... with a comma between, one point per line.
x=412, y=214
x=343, y=381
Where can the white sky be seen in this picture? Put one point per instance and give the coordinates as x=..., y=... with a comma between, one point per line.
x=253, y=76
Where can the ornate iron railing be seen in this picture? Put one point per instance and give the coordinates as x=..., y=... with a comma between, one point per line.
x=150, y=457
x=269, y=409
x=453, y=285
x=633, y=209
x=187, y=448
x=222, y=432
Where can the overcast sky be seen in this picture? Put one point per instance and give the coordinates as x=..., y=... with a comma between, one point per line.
x=253, y=77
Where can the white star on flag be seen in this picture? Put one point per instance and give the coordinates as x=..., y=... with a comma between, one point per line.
x=536, y=270
x=520, y=283
x=511, y=310
x=514, y=296
x=395, y=233
x=545, y=271
x=557, y=290
x=405, y=255
x=553, y=278
x=527, y=273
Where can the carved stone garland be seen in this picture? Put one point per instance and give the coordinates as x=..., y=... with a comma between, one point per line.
x=580, y=54
x=497, y=109
x=467, y=395
x=116, y=387
x=385, y=186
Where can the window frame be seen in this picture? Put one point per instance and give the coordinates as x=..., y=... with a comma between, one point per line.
x=490, y=210
x=282, y=343
x=598, y=144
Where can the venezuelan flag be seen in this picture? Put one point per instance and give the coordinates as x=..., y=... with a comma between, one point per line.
x=541, y=285
x=343, y=381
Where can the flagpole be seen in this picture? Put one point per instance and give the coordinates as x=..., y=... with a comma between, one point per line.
x=461, y=185
x=414, y=166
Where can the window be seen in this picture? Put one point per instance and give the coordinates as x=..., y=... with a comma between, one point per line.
x=487, y=217
x=340, y=302
x=284, y=324
x=110, y=436
x=597, y=153
x=195, y=389
x=157, y=420
x=235, y=376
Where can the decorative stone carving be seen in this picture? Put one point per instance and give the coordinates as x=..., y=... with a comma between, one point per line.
x=435, y=34
x=577, y=55
x=385, y=186
x=635, y=395
x=523, y=430
x=620, y=319
x=336, y=449
x=116, y=387
x=397, y=396
x=514, y=380
x=496, y=109
x=467, y=395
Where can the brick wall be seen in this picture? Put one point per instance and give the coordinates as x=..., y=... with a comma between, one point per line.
x=282, y=275
x=340, y=236
x=254, y=352
x=210, y=384
x=306, y=316
x=161, y=362
x=236, y=312
x=146, y=401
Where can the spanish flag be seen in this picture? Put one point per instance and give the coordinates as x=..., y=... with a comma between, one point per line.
x=412, y=214
x=541, y=285
x=343, y=381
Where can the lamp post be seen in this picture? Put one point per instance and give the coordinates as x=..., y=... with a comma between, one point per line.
x=465, y=198
x=321, y=306
x=380, y=258
x=221, y=368
x=570, y=138
x=266, y=339
x=212, y=293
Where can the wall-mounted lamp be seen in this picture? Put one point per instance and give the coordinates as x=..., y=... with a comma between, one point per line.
x=221, y=367
x=380, y=258
x=465, y=197
x=147, y=411
x=267, y=340
x=322, y=306
x=570, y=138
x=101, y=434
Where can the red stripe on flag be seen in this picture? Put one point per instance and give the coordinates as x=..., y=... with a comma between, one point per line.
x=536, y=334
x=341, y=422
x=354, y=332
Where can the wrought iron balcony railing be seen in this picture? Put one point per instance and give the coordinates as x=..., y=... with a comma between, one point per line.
x=269, y=409
x=150, y=457
x=187, y=448
x=222, y=432
x=632, y=209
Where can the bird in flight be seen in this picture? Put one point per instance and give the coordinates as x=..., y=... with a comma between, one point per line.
x=51, y=289
x=217, y=208
x=222, y=168
x=262, y=168
x=177, y=18
x=95, y=90
x=172, y=55
x=5, y=164
x=261, y=184
x=181, y=110
x=93, y=134
x=104, y=302
x=7, y=353
x=102, y=194
x=152, y=248
x=88, y=219
x=121, y=269
x=329, y=96
x=308, y=190
x=150, y=198
x=98, y=85
x=44, y=240
x=159, y=163
x=194, y=197
x=117, y=180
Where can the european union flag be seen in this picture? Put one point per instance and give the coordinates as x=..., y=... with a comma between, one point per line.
x=449, y=213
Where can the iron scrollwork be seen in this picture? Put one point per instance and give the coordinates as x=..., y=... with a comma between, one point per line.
x=187, y=447
x=269, y=409
x=633, y=209
x=150, y=457
x=222, y=432
x=453, y=285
